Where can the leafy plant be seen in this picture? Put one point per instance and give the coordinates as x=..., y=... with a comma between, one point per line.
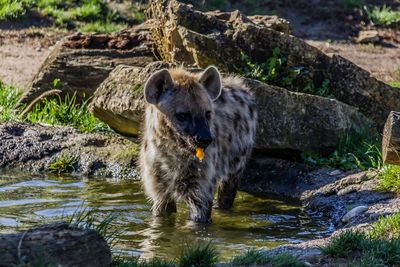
x=63, y=164
x=277, y=72
x=355, y=151
x=12, y=9
x=351, y=4
x=383, y=15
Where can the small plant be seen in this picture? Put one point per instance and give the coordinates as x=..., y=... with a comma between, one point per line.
x=12, y=9
x=136, y=262
x=355, y=151
x=199, y=255
x=256, y=258
x=85, y=218
x=362, y=250
x=100, y=26
x=277, y=72
x=389, y=178
x=352, y=4
x=383, y=15
x=386, y=227
x=67, y=113
x=63, y=164
x=9, y=96
x=345, y=244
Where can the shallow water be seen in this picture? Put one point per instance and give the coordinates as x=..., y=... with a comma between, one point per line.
x=254, y=222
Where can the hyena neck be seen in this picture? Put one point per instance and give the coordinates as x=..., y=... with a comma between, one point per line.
x=162, y=135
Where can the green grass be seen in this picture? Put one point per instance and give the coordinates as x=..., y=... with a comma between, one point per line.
x=105, y=27
x=361, y=250
x=199, y=255
x=386, y=227
x=277, y=71
x=256, y=258
x=9, y=96
x=206, y=256
x=389, y=178
x=85, y=218
x=136, y=262
x=395, y=84
x=355, y=151
x=11, y=9
x=352, y=4
x=383, y=15
x=66, y=113
x=63, y=164
x=85, y=15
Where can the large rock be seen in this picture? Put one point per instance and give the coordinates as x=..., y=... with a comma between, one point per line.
x=184, y=35
x=287, y=120
x=56, y=244
x=82, y=61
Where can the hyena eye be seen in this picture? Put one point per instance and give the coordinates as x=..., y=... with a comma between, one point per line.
x=182, y=116
x=208, y=115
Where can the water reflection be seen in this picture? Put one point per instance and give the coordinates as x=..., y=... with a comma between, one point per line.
x=255, y=221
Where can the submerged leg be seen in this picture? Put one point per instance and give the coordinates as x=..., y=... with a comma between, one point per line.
x=163, y=206
x=227, y=192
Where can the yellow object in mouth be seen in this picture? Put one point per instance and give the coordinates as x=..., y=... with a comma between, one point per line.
x=200, y=153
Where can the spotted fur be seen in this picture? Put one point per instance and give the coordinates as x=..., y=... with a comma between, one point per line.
x=169, y=168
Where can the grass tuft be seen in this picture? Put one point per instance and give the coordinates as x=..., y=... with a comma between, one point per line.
x=66, y=112
x=386, y=227
x=136, y=262
x=85, y=218
x=256, y=258
x=345, y=244
x=103, y=27
x=199, y=255
x=389, y=178
x=9, y=96
x=364, y=250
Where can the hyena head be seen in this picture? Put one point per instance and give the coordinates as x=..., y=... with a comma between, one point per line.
x=185, y=102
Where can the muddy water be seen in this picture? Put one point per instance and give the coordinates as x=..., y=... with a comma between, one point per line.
x=255, y=221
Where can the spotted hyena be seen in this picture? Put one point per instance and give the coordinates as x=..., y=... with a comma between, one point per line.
x=186, y=111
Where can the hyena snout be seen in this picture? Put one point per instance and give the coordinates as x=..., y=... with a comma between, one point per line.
x=202, y=137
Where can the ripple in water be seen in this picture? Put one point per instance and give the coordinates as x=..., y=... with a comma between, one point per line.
x=254, y=222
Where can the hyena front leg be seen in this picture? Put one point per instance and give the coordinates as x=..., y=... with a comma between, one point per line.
x=200, y=206
x=162, y=206
x=227, y=191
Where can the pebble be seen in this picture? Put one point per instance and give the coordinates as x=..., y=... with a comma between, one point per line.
x=354, y=213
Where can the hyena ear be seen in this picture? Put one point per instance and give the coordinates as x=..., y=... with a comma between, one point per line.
x=156, y=85
x=211, y=80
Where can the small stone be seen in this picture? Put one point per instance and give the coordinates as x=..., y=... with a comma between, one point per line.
x=365, y=37
x=354, y=213
x=335, y=172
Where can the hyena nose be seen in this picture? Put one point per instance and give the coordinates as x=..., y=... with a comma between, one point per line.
x=203, y=141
